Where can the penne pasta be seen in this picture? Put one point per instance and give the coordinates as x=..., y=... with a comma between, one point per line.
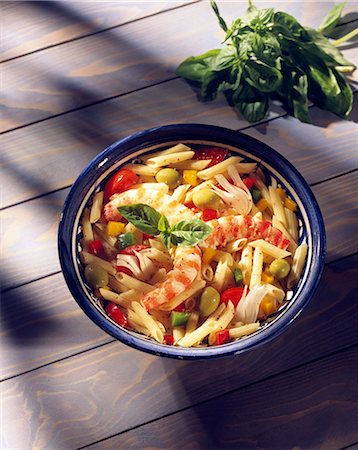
x=192, y=290
x=257, y=264
x=172, y=158
x=270, y=249
x=96, y=209
x=88, y=258
x=133, y=283
x=86, y=226
x=298, y=263
x=142, y=169
x=180, y=192
x=159, y=276
x=277, y=224
x=210, y=172
x=147, y=321
x=292, y=224
x=178, y=333
x=119, y=299
x=191, y=164
x=244, y=330
x=277, y=206
x=175, y=149
x=245, y=264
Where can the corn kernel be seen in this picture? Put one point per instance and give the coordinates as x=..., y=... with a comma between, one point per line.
x=281, y=193
x=267, y=307
x=208, y=255
x=190, y=177
x=115, y=228
x=267, y=278
x=262, y=204
x=290, y=204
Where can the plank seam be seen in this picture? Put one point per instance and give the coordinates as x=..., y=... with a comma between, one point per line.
x=216, y=397
x=118, y=26
x=103, y=31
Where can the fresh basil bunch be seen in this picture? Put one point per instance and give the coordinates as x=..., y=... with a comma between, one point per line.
x=269, y=55
x=185, y=233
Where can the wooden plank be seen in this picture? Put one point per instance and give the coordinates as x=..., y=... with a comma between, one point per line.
x=40, y=323
x=46, y=23
x=123, y=59
x=36, y=222
x=105, y=391
x=30, y=159
x=317, y=413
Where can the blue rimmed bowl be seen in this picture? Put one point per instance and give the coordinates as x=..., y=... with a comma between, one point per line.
x=154, y=139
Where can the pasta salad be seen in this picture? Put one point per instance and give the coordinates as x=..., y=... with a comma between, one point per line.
x=191, y=246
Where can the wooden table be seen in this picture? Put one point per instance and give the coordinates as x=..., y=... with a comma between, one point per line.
x=76, y=76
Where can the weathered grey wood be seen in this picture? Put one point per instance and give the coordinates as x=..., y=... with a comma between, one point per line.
x=310, y=407
x=30, y=161
x=108, y=390
x=40, y=323
x=45, y=23
x=35, y=254
x=125, y=58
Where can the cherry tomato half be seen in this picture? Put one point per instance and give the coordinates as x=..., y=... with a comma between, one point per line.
x=116, y=314
x=133, y=248
x=119, y=182
x=216, y=154
x=233, y=295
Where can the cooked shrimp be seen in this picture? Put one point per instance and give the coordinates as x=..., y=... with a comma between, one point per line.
x=163, y=203
x=229, y=228
x=186, y=267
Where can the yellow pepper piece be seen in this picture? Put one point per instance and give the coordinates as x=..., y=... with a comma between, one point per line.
x=290, y=204
x=267, y=278
x=208, y=255
x=267, y=307
x=190, y=177
x=281, y=193
x=262, y=204
x=115, y=228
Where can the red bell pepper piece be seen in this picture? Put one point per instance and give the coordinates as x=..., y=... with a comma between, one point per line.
x=222, y=337
x=168, y=339
x=249, y=182
x=116, y=314
x=95, y=247
x=124, y=270
x=133, y=248
x=233, y=295
x=210, y=214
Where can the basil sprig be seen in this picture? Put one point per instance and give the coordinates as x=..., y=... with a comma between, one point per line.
x=269, y=55
x=185, y=233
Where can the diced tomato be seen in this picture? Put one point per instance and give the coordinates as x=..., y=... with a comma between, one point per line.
x=249, y=182
x=233, y=295
x=191, y=206
x=147, y=236
x=124, y=270
x=116, y=314
x=216, y=154
x=168, y=339
x=222, y=337
x=180, y=308
x=95, y=247
x=119, y=182
x=209, y=214
x=133, y=248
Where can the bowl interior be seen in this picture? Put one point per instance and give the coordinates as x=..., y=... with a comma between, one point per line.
x=274, y=165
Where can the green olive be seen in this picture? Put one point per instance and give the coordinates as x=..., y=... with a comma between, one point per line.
x=280, y=268
x=206, y=198
x=168, y=176
x=96, y=276
x=209, y=301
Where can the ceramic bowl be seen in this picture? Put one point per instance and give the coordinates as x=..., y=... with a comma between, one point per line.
x=154, y=139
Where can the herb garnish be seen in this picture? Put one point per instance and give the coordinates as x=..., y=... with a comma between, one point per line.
x=185, y=233
x=270, y=55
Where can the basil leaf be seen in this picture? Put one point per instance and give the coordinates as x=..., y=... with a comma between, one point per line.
x=217, y=13
x=266, y=48
x=331, y=19
x=263, y=77
x=190, y=232
x=163, y=224
x=124, y=240
x=166, y=238
x=196, y=68
x=142, y=216
x=251, y=103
